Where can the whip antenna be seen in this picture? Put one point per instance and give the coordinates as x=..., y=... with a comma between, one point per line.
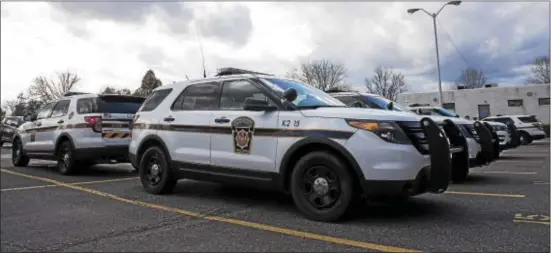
x=201, y=47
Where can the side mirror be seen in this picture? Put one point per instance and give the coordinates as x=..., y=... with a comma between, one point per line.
x=290, y=94
x=29, y=117
x=253, y=104
x=390, y=106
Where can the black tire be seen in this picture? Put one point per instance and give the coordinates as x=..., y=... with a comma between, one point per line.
x=1, y=144
x=18, y=156
x=160, y=182
x=66, y=163
x=525, y=138
x=334, y=182
x=459, y=175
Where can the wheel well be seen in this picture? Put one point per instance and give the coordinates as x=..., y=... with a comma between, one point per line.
x=313, y=147
x=147, y=144
x=59, y=141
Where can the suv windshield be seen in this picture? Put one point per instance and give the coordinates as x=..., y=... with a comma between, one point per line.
x=528, y=119
x=383, y=103
x=307, y=96
x=445, y=112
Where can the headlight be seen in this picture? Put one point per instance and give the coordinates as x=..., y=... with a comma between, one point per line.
x=387, y=130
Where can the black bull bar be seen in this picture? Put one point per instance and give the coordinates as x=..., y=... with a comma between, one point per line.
x=486, y=140
x=440, y=156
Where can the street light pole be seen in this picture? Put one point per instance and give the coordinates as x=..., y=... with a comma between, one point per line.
x=433, y=16
x=437, y=62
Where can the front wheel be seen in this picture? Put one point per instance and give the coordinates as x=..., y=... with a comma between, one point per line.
x=155, y=173
x=66, y=163
x=525, y=138
x=322, y=187
x=18, y=156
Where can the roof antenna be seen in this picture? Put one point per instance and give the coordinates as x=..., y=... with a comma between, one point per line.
x=201, y=46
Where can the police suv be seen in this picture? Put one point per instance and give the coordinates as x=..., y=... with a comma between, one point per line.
x=478, y=152
x=78, y=130
x=264, y=131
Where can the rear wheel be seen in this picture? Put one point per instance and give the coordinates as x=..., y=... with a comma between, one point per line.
x=18, y=156
x=322, y=187
x=525, y=138
x=155, y=173
x=66, y=163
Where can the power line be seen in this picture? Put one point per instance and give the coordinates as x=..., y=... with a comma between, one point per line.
x=455, y=46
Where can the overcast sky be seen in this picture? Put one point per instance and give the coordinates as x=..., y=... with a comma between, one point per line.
x=115, y=43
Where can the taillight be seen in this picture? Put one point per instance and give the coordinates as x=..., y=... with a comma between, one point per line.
x=94, y=122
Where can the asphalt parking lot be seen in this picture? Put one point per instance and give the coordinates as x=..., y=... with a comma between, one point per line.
x=502, y=207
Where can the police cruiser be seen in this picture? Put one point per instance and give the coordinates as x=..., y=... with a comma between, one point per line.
x=77, y=130
x=264, y=131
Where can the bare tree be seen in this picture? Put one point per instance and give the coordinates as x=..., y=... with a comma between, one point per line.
x=322, y=74
x=386, y=83
x=540, y=71
x=471, y=78
x=112, y=90
x=45, y=89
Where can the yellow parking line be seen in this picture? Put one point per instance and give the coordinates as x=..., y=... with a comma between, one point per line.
x=535, y=222
x=264, y=227
x=486, y=194
x=78, y=183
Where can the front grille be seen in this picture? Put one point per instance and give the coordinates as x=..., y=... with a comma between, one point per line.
x=471, y=131
x=415, y=133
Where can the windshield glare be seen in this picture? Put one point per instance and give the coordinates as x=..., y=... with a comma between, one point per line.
x=445, y=112
x=307, y=96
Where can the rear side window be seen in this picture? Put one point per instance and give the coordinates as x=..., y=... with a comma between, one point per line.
x=87, y=105
x=503, y=120
x=203, y=96
x=155, y=99
x=61, y=108
x=528, y=119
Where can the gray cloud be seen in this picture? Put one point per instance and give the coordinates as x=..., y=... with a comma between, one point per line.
x=230, y=25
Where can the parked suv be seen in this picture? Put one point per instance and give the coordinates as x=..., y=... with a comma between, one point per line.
x=269, y=132
x=77, y=130
x=528, y=126
x=8, y=127
x=478, y=152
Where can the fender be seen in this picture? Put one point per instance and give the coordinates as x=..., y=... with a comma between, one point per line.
x=61, y=136
x=283, y=169
x=148, y=138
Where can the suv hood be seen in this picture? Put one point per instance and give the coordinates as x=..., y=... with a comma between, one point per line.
x=440, y=119
x=359, y=113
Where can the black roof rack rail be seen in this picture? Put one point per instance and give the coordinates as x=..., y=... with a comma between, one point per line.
x=236, y=71
x=73, y=93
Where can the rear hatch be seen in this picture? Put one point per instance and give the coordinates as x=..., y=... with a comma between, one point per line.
x=117, y=114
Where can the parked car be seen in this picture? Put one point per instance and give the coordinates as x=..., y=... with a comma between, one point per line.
x=528, y=126
x=479, y=151
x=502, y=132
x=8, y=127
x=77, y=130
x=266, y=131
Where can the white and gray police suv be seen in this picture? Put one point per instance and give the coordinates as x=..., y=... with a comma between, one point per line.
x=77, y=130
x=528, y=126
x=264, y=131
x=479, y=151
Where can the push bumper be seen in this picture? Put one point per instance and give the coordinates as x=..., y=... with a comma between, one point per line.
x=440, y=157
x=118, y=153
x=486, y=142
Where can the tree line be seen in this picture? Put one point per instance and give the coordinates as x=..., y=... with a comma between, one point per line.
x=323, y=74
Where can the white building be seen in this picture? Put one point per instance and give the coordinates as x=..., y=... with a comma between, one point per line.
x=483, y=102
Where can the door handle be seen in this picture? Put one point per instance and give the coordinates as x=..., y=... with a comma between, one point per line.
x=60, y=121
x=168, y=119
x=38, y=123
x=222, y=120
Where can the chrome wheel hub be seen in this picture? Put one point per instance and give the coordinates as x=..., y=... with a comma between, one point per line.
x=66, y=158
x=155, y=170
x=321, y=186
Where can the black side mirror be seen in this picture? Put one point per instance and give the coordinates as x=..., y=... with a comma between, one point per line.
x=253, y=104
x=290, y=94
x=356, y=104
x=390, y=106
x=29, y=117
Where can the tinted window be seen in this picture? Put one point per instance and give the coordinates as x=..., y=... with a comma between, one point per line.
x=155, y=99
x=119, y=104
x=61, y=108
x=382, y=103
x=234, y=94
x=349, y=100
x=45, y=111
x=87, y=105
x=543, y=101
x=203, y=96
x=503, y=120
x=308, y=96
x=528, y=119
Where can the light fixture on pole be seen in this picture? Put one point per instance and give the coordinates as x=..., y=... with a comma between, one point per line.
x=433, y=16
